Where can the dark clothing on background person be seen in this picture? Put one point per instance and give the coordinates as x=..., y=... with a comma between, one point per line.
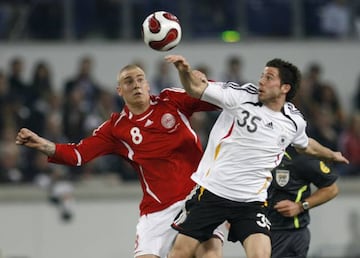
x=294, y=245
x=291, y=181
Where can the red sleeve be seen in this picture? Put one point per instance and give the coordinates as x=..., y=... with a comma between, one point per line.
x=186, y=103
x=100, y=143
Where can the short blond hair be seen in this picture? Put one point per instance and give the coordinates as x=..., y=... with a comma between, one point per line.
x=127, y=68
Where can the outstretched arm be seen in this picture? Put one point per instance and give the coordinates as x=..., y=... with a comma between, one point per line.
x=314, y=148
x=194, y=82
x=30, y=139
x=322, y=195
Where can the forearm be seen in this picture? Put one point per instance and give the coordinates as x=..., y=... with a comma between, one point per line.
x=48, y=148
x=316, y=149
x=192, y=84
x=322, y=195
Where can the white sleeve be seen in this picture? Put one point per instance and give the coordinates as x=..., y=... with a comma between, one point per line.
x=301, y=139
x=229, y=95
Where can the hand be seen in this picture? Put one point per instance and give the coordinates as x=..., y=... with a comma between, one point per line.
x=288, y=208
x=30, y=139
x=27, y=137
x=338, y=157
x=179, y=61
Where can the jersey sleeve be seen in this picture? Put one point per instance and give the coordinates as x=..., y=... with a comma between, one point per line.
x=186, y=103
x=101, y=142
x=301, y=139
x=229, y=95
x=315, y=171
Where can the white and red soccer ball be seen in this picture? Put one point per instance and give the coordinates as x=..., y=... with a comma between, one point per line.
x=161, y=31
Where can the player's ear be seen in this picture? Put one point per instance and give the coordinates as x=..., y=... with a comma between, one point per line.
x=286, y=87
x=119, y=90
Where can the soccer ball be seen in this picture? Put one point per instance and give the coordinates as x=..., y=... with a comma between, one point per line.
x=161, y=31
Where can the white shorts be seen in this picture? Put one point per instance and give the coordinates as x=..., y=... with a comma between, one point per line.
x=154, y=234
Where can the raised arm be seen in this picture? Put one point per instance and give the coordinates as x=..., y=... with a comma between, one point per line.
x=314, y=148
x=30, y=139
x=194, y=82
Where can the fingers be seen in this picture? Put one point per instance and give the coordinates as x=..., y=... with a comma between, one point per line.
x=338, y=157
x=342, y=159
x=179, y=61
x=23, y=136
x=174, y=58
x=287, y=208
x=281, y=204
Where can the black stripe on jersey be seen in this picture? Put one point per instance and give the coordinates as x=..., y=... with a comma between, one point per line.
x=233, y=85
x=293, y=109
x=292, y=120
x=250, y=88
x=254, y=103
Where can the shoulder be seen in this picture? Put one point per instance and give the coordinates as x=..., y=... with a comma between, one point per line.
x=172, y=91
x=247, y=87
x=232, y=94
x=291, y=112
x=169, y=94
x=315, y=170
x=116, y=117
x=178, y=96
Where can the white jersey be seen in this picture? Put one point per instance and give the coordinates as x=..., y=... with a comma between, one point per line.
x=247, y=141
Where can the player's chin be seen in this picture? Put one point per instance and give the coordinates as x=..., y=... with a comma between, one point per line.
x=261, y=97
x=140, y=98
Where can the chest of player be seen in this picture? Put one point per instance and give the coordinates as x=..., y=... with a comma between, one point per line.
x=264, y=127
x=155, y=132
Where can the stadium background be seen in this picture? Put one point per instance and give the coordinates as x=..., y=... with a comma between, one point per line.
x=105, y=209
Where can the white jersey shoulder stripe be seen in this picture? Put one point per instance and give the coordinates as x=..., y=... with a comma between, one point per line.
x=248, y=87
x=292, y=113
x=292, y=109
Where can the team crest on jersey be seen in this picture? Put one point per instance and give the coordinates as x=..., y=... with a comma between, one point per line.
x=168, y=120
x=282, y=177
x=281, y=141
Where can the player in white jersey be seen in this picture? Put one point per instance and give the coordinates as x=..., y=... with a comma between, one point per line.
x=247, y=141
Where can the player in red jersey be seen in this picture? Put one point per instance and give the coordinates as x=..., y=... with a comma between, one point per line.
x=154, y=134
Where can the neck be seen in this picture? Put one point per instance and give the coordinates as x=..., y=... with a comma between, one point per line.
x=275, y=105
x=138, y=109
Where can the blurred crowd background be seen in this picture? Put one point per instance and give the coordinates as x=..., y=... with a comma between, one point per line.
x=84, y=103
x=72, y=20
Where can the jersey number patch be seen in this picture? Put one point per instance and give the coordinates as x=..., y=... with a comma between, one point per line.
x=136, y=136
x=248, y=121
x=263, y=221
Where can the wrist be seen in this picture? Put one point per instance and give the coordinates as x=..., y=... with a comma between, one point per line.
x=48, y=148
x=305, y=205
x=301, y=209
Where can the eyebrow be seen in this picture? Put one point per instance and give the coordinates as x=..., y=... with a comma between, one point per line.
x=270, y=73
x=136, y=76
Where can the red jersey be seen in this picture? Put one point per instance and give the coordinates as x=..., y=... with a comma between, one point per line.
x=160, y=145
